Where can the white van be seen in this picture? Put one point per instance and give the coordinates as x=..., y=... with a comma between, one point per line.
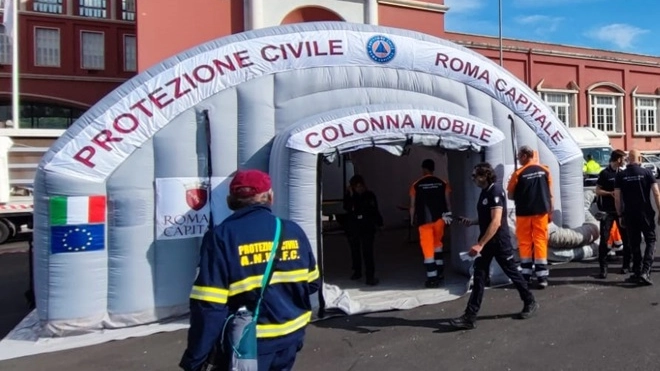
x=596, y=143
x=593, y=142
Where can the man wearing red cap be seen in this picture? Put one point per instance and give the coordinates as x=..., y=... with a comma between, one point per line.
x=234, y=256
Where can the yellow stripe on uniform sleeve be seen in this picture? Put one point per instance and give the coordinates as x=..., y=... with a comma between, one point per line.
x=313, y=275
x=245, y=285
x=254, y=282
x=298, y=275
x=209, y=294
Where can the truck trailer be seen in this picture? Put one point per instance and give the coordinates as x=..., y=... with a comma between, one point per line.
x=19, y=158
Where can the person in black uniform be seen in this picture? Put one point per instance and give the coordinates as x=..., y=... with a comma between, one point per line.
x=362, y=220
x=430, y=210
x=632, y=189
x=494, y=243
x=605, y=202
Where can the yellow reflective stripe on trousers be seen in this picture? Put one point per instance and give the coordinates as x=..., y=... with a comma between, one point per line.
x=313, y=275
x=270, y=331
x=254, y=282
x=209, y=294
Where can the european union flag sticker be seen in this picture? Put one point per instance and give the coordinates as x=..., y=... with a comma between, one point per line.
x=77, y=238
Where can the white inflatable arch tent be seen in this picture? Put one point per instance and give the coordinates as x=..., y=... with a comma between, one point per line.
x=121, y=197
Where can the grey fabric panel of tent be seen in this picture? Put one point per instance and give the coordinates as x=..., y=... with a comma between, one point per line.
x=138, y=278
x=71, y=289
x=132, y=249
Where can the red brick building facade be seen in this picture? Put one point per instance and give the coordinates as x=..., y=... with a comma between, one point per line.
x=71, y=53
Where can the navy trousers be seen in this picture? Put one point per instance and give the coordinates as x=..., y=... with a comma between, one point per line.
x=282, y=360
x=503, y=255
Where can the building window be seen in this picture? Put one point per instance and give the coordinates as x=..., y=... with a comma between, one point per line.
x=605, y=113
x=47, y=6
x=92, y=50
x=130, y=53
x=47, y=47
x=5, y=49
x=93, y=8
x=563, y=104
x=40, y=115
x=128, y=10
x=646, y=115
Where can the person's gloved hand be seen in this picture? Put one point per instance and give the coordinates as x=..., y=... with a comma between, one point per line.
x=447, y=217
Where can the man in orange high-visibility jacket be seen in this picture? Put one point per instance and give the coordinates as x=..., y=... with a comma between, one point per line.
x=530, y=187
x=430, y=211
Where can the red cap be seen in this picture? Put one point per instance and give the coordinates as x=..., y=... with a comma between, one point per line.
x=248, y=183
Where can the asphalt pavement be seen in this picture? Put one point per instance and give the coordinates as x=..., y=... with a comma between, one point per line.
x=583, y=324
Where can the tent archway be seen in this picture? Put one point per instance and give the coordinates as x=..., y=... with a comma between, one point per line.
x=392, y=128
x=244, y=90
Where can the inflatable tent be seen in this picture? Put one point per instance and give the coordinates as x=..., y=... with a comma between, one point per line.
x=123, y=197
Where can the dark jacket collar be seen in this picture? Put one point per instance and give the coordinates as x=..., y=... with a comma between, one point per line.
x=249, y=210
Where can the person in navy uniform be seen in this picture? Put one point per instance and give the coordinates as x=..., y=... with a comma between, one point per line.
x=363, y=219
x=605, y=202
x=632, y=189
x=494, y=242
x=233, y=259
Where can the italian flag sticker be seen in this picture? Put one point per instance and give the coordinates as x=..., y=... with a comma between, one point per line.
x=77, y=210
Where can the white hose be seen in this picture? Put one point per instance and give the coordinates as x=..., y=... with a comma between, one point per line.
x=573, y=244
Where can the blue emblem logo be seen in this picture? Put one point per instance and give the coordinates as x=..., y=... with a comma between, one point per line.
x=381, y=49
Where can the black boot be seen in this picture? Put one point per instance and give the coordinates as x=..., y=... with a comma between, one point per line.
x=463, y=322
x=529, y=310
x=645, y=279
x=603, y=271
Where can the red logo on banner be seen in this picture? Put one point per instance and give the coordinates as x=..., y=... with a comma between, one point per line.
x=196, y=195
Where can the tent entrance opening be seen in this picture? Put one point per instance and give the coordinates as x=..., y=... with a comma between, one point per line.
x=398, y=259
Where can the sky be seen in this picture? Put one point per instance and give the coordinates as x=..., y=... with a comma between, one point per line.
x=630, y=26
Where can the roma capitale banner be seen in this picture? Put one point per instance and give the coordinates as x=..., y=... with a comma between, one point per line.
x=183, y=206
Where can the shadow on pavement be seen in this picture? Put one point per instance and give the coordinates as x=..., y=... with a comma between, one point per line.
x=596, y=282
x=366, y=324
x=370, y=325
